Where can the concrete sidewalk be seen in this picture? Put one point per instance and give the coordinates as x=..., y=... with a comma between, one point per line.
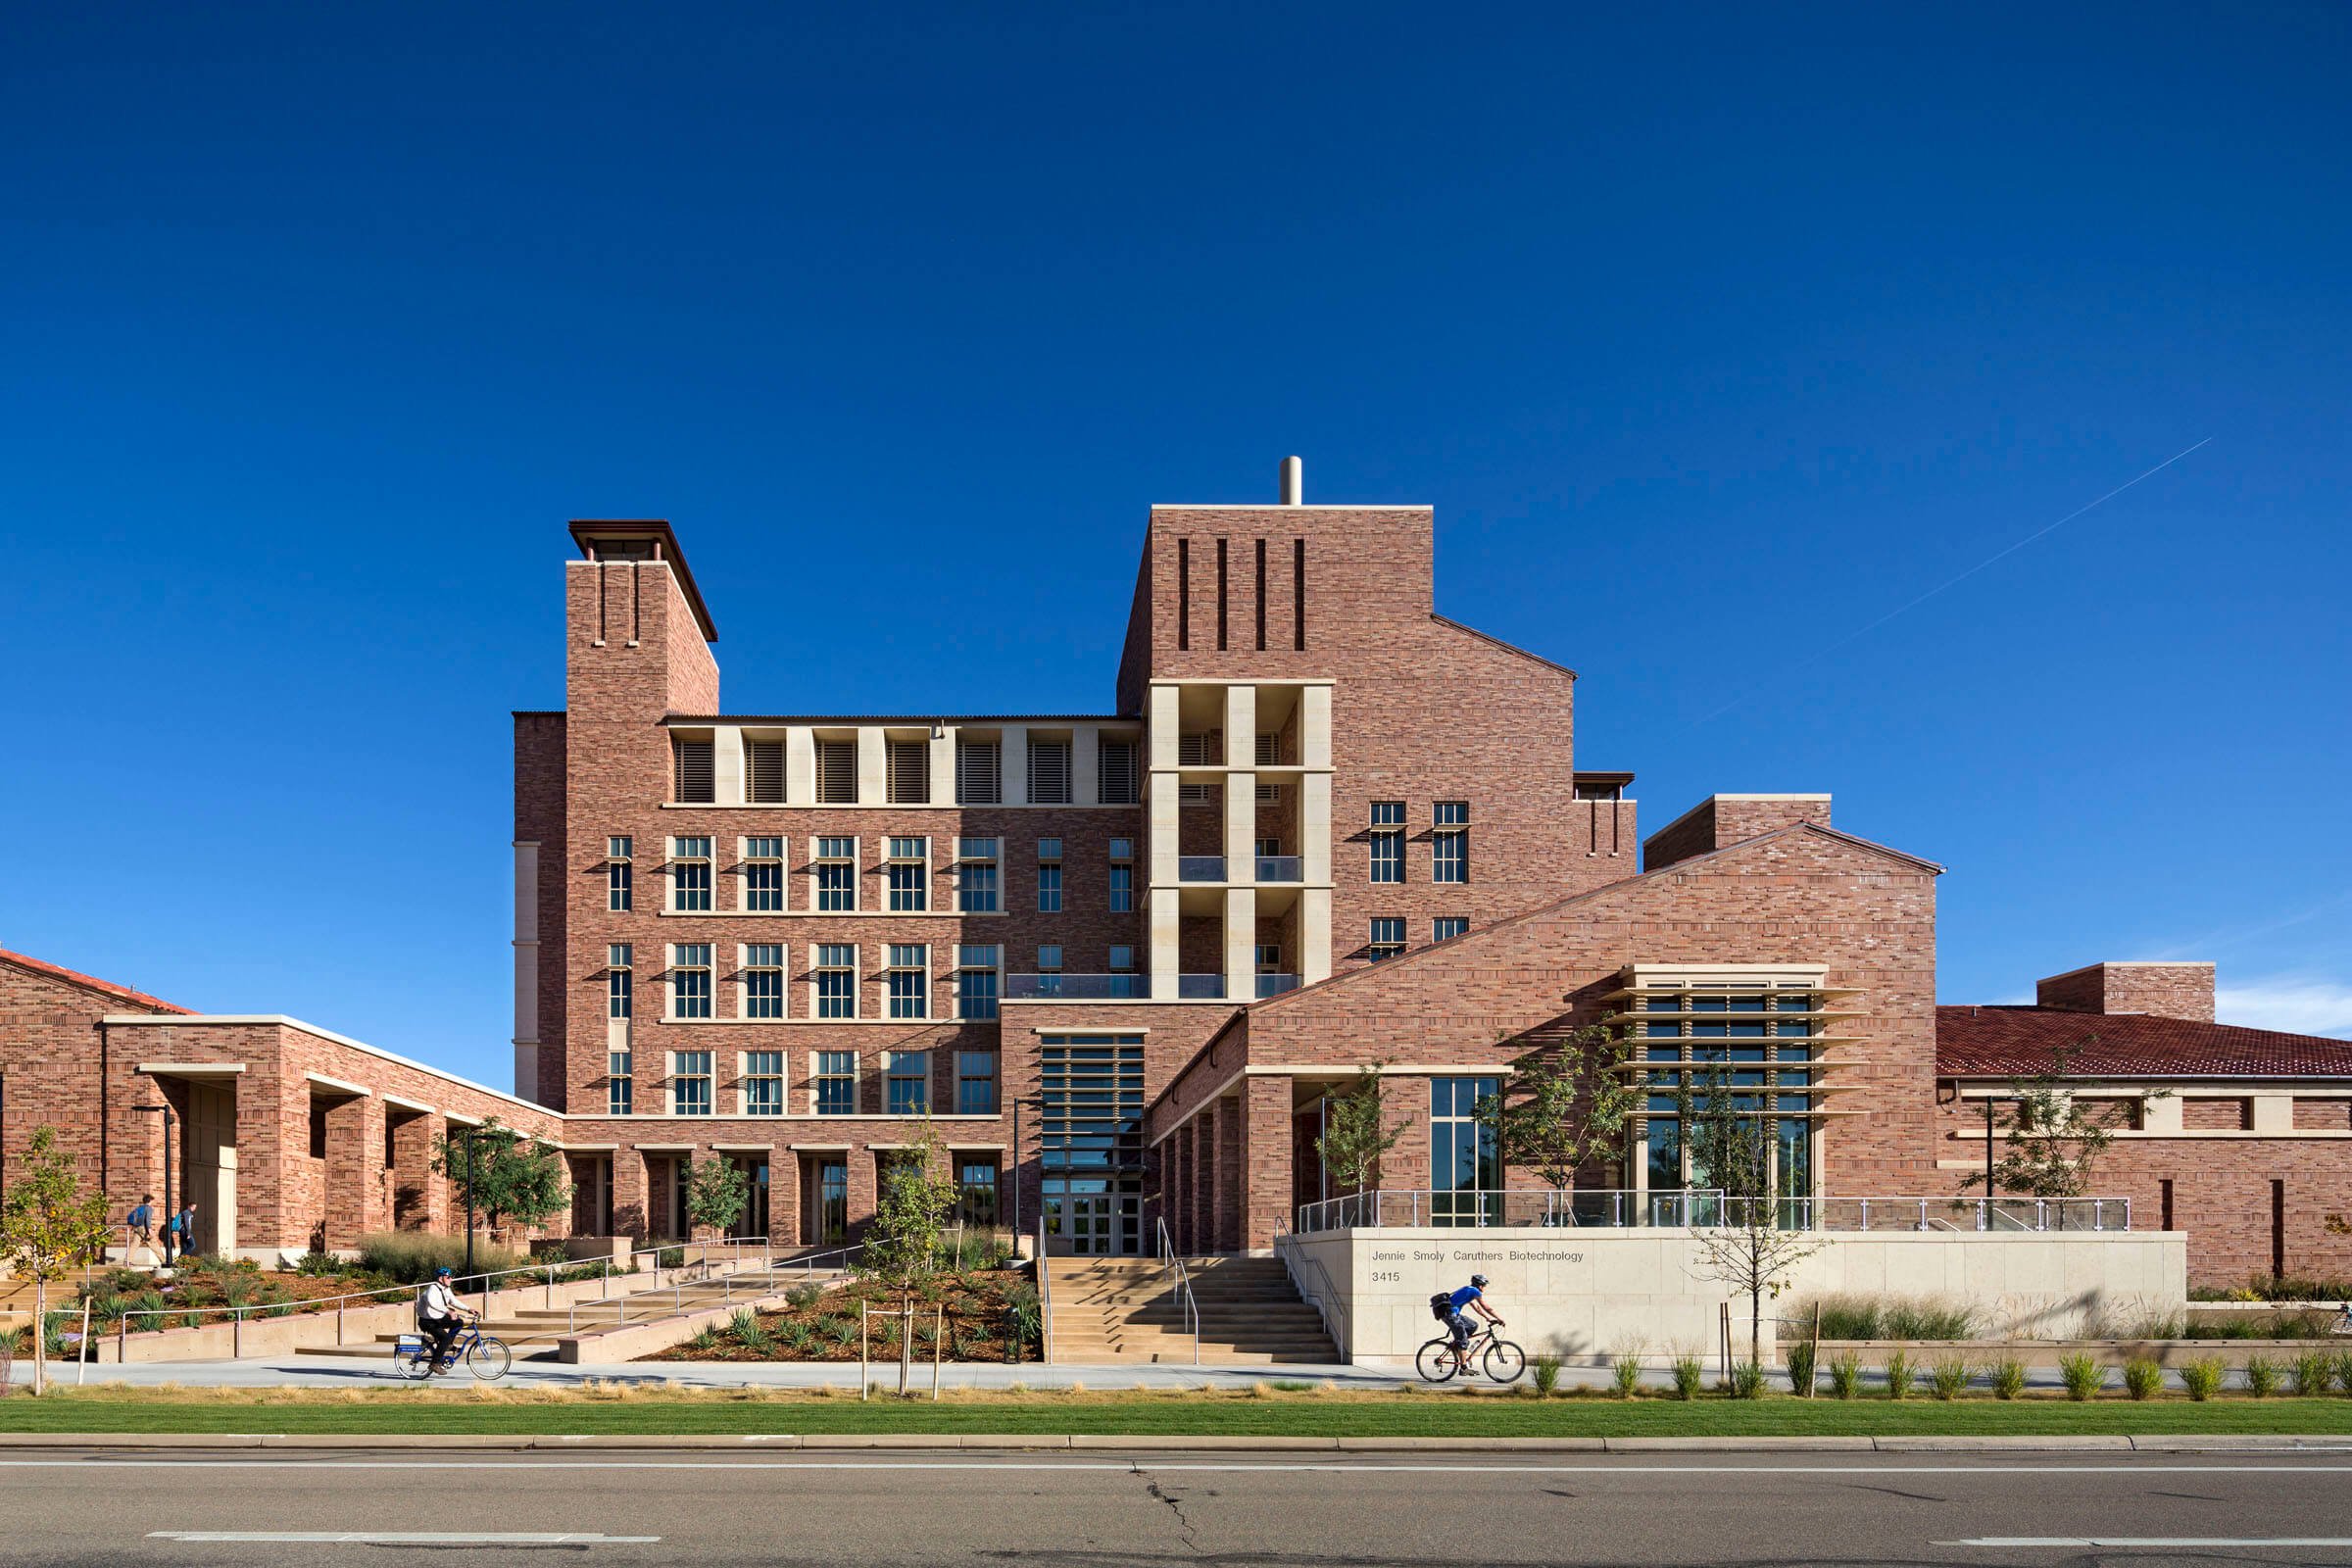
x=1114, y=1443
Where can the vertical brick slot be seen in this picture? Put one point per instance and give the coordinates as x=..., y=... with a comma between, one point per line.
x=1298, y=594
x=2164, y=1192
x=1261, y=596
x=1220, y=596
x=1184, y=593
x=2278, y=1230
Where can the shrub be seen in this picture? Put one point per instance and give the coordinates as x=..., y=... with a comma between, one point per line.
x=1947, y=1379
x=842, y=1330
x=2081, y=1374
x=2263, y=1376
x=670, y=1258
x=1689, y=1377
x=2343, y=1371
x=1746, y=1381
x=1801, y=1358
x=2008, y=1375
x=797, y=1337
x=800, y=1298
x=548, y=1250
x=1845, y=1375
x=744, y=1323
x=1547, y=1374
x=2313, y=1372
x=2202, y=1376
x=1625, y=1371
x=2143, y=1379
x=409, y=1257
x=1895, y=1317
x=318, y=1265
x=1899, y=1373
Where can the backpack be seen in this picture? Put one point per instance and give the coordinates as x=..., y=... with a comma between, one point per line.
x=1440, y=1306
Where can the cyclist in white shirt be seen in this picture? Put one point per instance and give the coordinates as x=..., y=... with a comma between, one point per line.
x=439, y=1315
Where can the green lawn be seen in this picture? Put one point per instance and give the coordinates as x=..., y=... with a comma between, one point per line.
x=1299, y=1414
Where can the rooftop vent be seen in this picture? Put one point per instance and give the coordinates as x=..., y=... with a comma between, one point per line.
x=1293, y=482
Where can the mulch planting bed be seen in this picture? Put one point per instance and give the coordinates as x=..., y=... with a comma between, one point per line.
x=985, y=1311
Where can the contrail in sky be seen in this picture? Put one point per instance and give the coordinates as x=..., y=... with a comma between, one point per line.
x=1997, y=555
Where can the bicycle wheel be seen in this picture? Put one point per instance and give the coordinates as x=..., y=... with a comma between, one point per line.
x=1505, y=1361
x=488, y=1358
x=413, y=1360
x=1436, y=1362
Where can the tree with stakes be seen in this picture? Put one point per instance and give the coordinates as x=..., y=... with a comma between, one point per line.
x=1730, y=1148
x=47, y=1226
x=901, y=1245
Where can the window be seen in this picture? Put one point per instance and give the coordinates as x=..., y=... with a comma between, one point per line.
x=764, y=1083
x=976, y=1203
x=1387, y=936
x=908, y=1086
x=618, y=1083
x=1451, y=843
x=691, y=770
x=763, y=875
x=1122, y=876
x=910, y=872
x=1269, y=749
x=976, y=876
x=617, y=873
x=1048, y=959
x=1117, y=774
x=979, y=780
x=1388, y=841
x=1269, y=958
x=836, y=874
x=977, y=982
x=1122, y=959
x=1762, y=1045
x=836, y=1083
x=1448, y=926
x=690, y=875
x=975, y=1083
x=909, y=980
x=836, y=980
x=836, y=772
x=616, y=980
x=690, y=980
x=1269, y=848
x=1049, y=772
x=764, y=980
x=690, y=1083
x=763, y=772
x=1464, y=1167
x=908, y=773
x=1049, y=877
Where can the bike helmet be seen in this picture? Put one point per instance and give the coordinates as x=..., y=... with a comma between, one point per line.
x=1478, y=1280
x=440, y=1273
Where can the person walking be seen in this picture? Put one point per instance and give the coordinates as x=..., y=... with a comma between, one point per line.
x=183, y=1229
x=139, y=1228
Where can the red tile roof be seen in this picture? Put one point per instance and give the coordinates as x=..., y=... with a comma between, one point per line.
x=145, y=1002
x=1999, y=1042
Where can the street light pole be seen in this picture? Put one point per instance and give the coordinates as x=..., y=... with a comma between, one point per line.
x=171, y=1208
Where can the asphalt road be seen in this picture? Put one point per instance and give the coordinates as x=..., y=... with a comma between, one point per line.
x=1373, y=1512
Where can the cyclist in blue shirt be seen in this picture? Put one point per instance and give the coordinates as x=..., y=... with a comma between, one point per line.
x=1470, y=1298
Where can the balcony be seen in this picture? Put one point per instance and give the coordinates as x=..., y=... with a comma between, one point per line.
x=1200, y=987
x=1280, y=868
x=1201, y=868
x=1274, y=985
x=1077, y=987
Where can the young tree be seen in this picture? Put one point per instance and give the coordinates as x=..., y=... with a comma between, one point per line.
x=2052, y=1139
x=716, y=1195
x=1564, y=1106
x=901, y=1245
x=1354, y=1133
x=47, y=1226
x=514, y=1177
x=1748, y=1253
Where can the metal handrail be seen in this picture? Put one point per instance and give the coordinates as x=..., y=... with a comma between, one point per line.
x=1515, y=1207
x=1044, y=1289
x=1327, y=1300
x=1184, y=1283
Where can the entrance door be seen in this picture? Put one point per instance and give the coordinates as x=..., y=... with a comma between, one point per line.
x=752, y=1221
x=211, y=1165
x=1096, y=1218
x=831, y=1195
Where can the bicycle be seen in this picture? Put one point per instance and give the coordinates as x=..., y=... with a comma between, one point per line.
x=485, y=1356
x=1501, y=1360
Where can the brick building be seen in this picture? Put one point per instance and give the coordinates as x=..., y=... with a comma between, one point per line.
x=1115, y=962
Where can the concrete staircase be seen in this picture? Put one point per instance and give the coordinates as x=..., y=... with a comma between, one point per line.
x=1110, y=1310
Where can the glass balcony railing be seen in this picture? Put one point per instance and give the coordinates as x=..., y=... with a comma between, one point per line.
x=1200, y=987
x=1279, y=868
x=1076, y=987
x=1274, y=985
x=1201, y=868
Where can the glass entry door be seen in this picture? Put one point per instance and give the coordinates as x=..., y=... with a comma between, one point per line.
x=1096, y=1218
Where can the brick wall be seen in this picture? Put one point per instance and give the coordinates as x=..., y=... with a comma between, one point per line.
x=2166, y=990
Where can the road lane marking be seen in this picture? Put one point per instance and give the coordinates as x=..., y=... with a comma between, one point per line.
x=107, y=1465
x=2150, y=1541
x=408, y=1538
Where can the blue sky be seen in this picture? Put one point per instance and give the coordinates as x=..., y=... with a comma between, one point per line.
x=1713, y=336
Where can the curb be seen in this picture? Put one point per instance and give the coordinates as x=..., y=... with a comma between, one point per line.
x=912, y=1441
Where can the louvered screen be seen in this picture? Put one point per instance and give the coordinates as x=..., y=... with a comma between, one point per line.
x=1203, y=749
x=977, y=779
x=837, y=772
x=1269, y=749
x=763, y=772
x=693, y=758
x=1118, y=782
x=1049, y=772
x=909, y=773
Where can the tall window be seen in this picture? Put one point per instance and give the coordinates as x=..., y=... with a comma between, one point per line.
x=764, y=980
x=618, y=1082
x=1451, y=843
x=763, y=772
x=1448, y=926
x=617, y=979
x=1117, y=774
x=1464, y=1168
x=907, y=1087
x=690, y=875
x=618, y=873
x=908, y=773
x=690, y=1083
x=909, y=980
x=975, y=1083
x=976, y=876
x=1387, y=936
x=976, y=1185
x=1049, y=877
x=910, y=872
x=836, y=980
x=690, y=980
x=1123, y=875
x=836, y=772
x=836, y=1083
x=977, y=982
x=979, y=781
x=1049, y=772
x=1388, y=841
x=764, y=1083
x=763, y=875
x=1763, y=1043
x=691, y=769
x=836, y=874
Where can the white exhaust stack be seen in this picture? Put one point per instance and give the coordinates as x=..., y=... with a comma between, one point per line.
x=1293, y=482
